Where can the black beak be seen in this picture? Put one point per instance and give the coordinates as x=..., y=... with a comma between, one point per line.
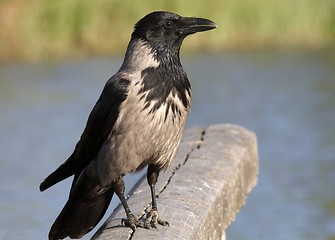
x=190, y=25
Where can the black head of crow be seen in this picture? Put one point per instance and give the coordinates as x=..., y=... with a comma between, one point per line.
x=137, y=121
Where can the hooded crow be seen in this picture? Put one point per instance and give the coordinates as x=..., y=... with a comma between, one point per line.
x=137, y=122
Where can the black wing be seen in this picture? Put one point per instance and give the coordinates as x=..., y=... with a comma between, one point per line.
x=99, y=125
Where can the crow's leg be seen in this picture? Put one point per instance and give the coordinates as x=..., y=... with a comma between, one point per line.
x=131, y=220
x=152, y=216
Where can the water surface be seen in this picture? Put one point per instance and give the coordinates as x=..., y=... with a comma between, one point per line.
x=288, y=99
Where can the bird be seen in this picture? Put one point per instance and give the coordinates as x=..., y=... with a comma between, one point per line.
x=137, y=122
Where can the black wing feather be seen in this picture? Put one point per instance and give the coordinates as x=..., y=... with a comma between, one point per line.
x=99, y=125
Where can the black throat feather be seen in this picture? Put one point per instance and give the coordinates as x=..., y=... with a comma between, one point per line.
x=168, y=78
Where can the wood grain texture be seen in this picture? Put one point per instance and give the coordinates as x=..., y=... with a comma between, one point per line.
x=202, y=190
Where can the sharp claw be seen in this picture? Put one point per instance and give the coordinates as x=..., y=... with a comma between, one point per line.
x=152, y=220
x=163, y=223
x=132, y=222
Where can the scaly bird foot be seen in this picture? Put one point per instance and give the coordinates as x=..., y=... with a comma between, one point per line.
x=153, y=219
x=132, y=222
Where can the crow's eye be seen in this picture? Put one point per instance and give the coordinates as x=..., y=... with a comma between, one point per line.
x=168, y=24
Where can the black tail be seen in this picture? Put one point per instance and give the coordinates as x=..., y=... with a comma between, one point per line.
x=86, y=206
x=64, y=171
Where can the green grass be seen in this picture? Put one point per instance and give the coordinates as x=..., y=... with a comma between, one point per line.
x=44, y=29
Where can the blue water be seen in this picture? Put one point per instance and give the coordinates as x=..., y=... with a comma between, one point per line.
x=287, y=98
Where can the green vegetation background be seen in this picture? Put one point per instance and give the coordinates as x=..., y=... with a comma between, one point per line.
x=47, y=29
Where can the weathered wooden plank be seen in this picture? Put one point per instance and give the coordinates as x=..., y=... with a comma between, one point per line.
x=202, y=190
x=140, y=199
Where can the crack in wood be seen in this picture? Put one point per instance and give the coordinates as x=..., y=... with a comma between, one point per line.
x=179, y=165
x=146, y=209
x=224, y=180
